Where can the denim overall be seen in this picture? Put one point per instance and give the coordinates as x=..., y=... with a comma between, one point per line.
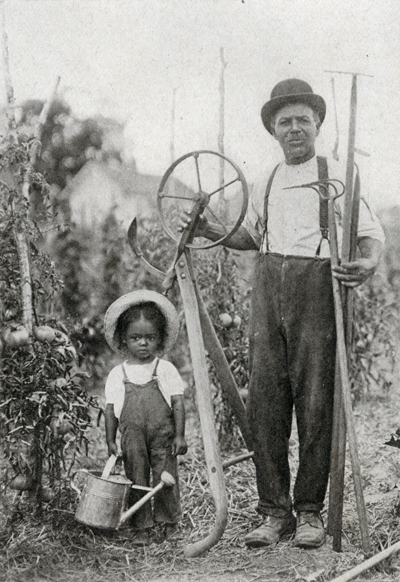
x=292, y=363
x=147, y=431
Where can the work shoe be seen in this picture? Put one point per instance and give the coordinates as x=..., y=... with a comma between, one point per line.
x=270, y=531
x=310, y=531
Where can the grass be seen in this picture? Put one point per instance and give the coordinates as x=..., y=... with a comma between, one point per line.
x=56, y=547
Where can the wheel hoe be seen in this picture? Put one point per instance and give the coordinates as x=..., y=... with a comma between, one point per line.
x=171, y=194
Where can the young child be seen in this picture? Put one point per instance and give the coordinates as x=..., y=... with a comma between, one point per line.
x=144, y=399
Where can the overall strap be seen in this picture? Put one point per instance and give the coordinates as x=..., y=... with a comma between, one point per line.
x=154, y=374
x=322, y=165
x=267, y=192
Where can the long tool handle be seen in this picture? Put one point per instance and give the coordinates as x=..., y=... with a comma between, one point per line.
x=337, y=469
x=345, y=387
x=350, y=226
x=236, y=460
x=223, y=371
x=338, y=463
x=348, y=197
x=205, y=408
x=338, y=456
x=367, y=564
x=185, y=238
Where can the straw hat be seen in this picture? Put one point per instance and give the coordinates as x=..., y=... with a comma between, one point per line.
x=135, y=298
x=291, y=91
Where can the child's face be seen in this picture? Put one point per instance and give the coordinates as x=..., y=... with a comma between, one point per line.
x=142, y=340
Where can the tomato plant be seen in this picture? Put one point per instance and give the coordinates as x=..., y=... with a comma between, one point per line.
x=44, y=408
x=376, y=324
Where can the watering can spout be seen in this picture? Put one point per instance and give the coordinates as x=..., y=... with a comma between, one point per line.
x=167, y=480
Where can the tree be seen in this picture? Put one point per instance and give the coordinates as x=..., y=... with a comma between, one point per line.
x=67, y=143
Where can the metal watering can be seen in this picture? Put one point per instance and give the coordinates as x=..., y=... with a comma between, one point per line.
x=104, y=498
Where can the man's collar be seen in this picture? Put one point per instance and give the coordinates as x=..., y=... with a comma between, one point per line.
x=303, y=164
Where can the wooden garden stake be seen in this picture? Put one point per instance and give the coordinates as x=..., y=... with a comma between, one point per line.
x=19, y=236
x=221, y=134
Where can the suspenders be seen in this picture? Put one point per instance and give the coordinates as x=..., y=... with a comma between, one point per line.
x=322, y=165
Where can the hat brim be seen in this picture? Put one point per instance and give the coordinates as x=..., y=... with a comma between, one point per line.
x=123, y=303
x=271, y=107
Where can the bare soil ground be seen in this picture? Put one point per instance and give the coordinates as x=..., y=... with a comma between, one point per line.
x=58, y=548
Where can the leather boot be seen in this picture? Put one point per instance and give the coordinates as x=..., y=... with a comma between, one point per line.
x=270, y=531
x=310, y=531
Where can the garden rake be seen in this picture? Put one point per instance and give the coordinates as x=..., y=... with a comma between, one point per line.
x=324, y=189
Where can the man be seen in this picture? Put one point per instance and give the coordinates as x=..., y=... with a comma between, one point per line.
x=292, y=328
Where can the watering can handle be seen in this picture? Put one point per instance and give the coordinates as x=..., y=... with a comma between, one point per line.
x=109, y=467
x=72, y=481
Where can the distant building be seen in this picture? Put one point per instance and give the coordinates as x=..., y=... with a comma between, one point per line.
x=98, y=188
x=101, y=187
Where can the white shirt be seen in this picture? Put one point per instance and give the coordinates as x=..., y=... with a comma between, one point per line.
x=169, y=381
x=293, y=215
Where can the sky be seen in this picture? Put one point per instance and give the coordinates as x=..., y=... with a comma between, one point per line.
x=136, y=60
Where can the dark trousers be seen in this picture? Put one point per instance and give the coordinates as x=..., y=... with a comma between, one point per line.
x=292, y=363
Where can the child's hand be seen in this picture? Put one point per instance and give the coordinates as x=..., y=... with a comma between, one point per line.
x=112, y=449
x=179, y=446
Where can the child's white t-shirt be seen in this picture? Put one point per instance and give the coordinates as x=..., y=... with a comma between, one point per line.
x=169, y=381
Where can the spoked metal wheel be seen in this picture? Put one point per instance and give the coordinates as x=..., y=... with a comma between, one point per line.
x=208, y=183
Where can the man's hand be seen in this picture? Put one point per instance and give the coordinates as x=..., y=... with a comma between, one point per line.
x=185, y=219
x=355, y=273
x=179, y=446
x=352, y=274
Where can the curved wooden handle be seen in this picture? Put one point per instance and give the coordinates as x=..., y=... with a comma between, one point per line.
x=205, y=408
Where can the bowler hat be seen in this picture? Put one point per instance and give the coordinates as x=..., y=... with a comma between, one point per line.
x=291, y=91
x=117, y=308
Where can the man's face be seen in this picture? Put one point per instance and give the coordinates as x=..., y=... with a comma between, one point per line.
x=296, y=128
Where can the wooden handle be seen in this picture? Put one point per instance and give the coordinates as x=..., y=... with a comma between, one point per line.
x=354, y=572
x=345, y=386
x=238, y=459
x=205, y=408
